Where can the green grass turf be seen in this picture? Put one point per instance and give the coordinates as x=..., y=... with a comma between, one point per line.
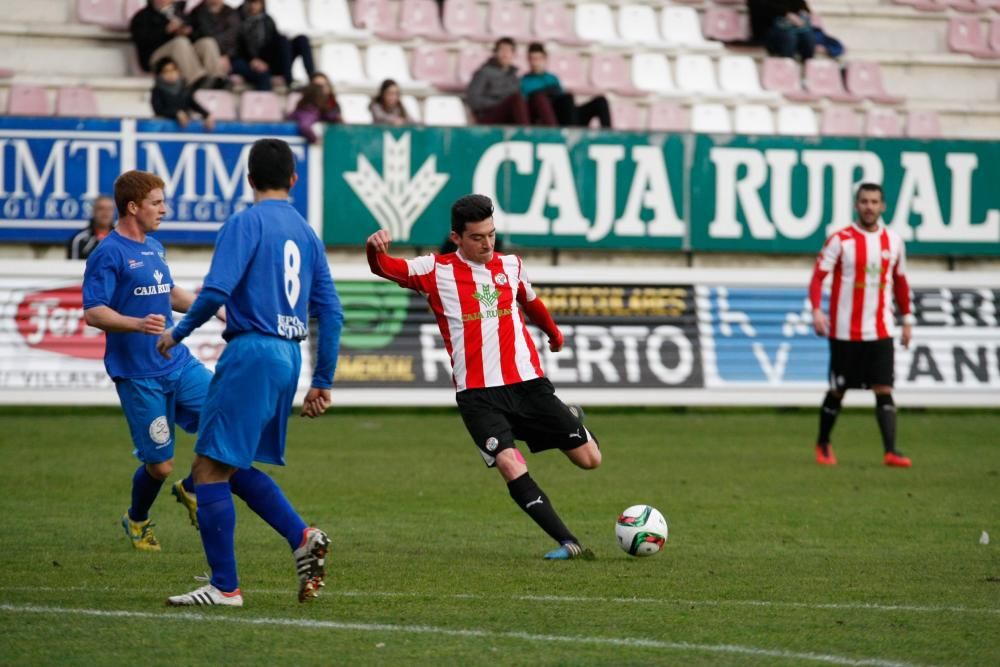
x=767, y=552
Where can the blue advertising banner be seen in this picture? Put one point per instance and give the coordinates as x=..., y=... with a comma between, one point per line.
x=52, y=169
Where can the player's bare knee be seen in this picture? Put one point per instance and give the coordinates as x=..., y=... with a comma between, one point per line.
x=511, y=464
x=587, y=457
x=209, y=471
x=160, y=470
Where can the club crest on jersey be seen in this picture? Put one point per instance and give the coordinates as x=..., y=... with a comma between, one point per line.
x=500, y=279
x=486, y=295
x=158, y=276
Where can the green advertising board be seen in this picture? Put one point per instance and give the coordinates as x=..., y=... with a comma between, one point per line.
x=591, y=189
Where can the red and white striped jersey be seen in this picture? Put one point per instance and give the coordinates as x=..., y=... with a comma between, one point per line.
x=479, y=310
x=868, y=269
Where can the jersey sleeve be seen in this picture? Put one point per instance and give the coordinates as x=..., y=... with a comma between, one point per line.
x=901, y=284
x=525, y=293
x=421, y=273
x=235, y=247
x=827, y=259
x=100, y=279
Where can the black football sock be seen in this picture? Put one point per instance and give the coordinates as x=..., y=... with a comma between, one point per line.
x=827, y=417
x=885, y=413
x=536, y=504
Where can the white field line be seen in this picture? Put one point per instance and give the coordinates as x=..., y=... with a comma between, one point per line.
x=630, y=642
x=846, y=606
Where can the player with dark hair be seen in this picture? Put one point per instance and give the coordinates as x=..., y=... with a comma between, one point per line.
x=481, y=299
x=270, y=270
x=868, y=261
x=129, y=293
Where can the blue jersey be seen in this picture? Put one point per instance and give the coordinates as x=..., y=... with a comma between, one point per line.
x=272, y=267
x=132, y=279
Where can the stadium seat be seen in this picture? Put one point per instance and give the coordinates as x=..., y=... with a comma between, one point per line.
x=782, y=75
x=463, y=18
x=962, y=5
x=710, y=119
x=292, y=101
x=382, y=19
x=219, y=103
x=626, y=115
x=922, y=124
x=289, y=17
x=608, y=71
x=130, y=8
x=679, y=26
x=841, y=122
x=419, y=18
x=354, y=109
x=26, y=100
x=412, y=107
x=365, y=13
x=342, y=63
x=823, y=78
x=470, y=59
x=568, y=66
x=434, y=65
x=965, y=35
x=552, y=22
x=637, y=25
x=986, y=5
x=444, y=111
x=883, y=123
x=260, y=106
x=753, y=119
x=510, y=19
x=864, y=79
x=695, y=74
x=725, y=25
x=76, y=101
x=594, y=23
x=797, y=120
x=651, y=72
x=333, y=17
x=105, y=13
x=667, y=117
x=738, y=76
x=994, y=40
x=388, y=61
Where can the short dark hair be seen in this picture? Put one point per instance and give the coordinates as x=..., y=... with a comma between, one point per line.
x=504, y=40
x=536, y=47
x=470, y=208
x=162, y=63
x=271, y=165
x=869, y=187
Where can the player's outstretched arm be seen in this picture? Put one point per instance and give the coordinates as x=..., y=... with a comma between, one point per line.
x=109, y=320
x=539, y=315
x=381, y=264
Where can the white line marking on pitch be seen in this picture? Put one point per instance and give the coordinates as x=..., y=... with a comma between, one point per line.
x=631, y=642
x=858, y=606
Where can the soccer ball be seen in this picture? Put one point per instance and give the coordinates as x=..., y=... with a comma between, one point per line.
x=641, y=530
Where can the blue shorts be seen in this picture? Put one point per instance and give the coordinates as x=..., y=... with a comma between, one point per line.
x=246, y=412
x=153, y=405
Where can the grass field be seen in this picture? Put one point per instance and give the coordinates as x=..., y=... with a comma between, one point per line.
x=771, y=560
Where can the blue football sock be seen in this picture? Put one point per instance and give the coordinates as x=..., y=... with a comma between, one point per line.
x=217, y=519
x=264, y=496
x=145, y=487
x=188, y=484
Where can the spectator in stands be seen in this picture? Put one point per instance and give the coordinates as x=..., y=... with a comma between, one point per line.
x=216, y=19
x=333, y=107
x=173, y=99
x=784, y=26
x=264, y=52
x=546, y=96
x=494, y=94
x=101, y=224
x=159, y=30
x=387, y=107
x=314, y=107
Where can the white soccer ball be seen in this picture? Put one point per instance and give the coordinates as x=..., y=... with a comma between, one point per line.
x=641, y=530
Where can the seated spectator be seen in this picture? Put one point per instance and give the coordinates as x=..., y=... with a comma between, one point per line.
x=784, y=26
x=159, y=30
x=101, y=224
x=387, y=107
x=264, y=52
x=216, y=19
x=314, y=107
x=173, y=99
x=494, y=94
x=546, y=96
x=333, y=107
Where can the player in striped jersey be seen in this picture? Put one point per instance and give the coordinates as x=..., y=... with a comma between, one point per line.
x=868, y=262
x=481, y=300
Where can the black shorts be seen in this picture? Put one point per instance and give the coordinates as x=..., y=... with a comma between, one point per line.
x=528, y=411
x=861, y=364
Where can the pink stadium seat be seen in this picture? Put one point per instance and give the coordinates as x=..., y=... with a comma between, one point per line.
x=986, y=5
x=626, y=116
x=462, y=18
x=470, y=59
x=380, y=17
x=130, y=8
x=841, y=122
x=994, y=42
x=434, y=65
x=823, y=78
x=510, y=19
x=864, y=79
x=668, y=117
x=923, y=5
x=76, y=101
x=25, y=100
x=969, y=6
x=6, y=73
x=725, y=25
x=923, y=125
x=292, y=101
x=782, y=75
x=572, y=75
x=260, y=105
x=965, y=35
x=419, y=18
x=218, y=102
x=106, y=13
x=553, y=23
x=883, y=123
x=609, y=71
